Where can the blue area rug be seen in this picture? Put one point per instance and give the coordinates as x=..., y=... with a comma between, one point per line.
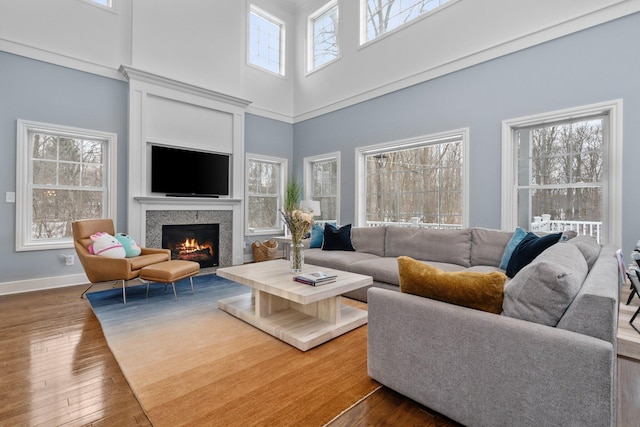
x=191, y=364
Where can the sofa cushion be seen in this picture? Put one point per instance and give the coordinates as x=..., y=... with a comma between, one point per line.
x=513, y=243
x=334, y=259
x=379, y=268
x=487, y=246
x=369, y=239
x=528, y=249
x=450, y=246
x=482, y=291
x=589, y=248
x=542, y=291
x=337, y=239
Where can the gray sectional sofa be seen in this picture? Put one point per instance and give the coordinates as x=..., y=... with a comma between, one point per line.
x=484, y=369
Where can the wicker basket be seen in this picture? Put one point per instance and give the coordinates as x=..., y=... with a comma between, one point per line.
x=264, y=251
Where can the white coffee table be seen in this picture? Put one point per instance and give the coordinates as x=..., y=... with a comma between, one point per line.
x=298, y=314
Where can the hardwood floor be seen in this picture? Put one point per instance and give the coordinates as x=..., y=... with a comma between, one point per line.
x=56, y=366
x=58, y=370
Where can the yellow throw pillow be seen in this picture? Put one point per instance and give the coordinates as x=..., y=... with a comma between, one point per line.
x=481, y=291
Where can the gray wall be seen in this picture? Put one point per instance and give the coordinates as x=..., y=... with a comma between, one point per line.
x=595, y=65
x=34, y=90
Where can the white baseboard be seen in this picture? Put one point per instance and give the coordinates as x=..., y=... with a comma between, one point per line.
x=20, y=286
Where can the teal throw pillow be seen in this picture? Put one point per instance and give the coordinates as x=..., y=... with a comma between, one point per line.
x=317, y=235
x=515, y=240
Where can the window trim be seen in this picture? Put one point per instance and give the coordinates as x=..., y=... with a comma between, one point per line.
x=310, y=69
x=612, y=191
x=429, y=139
x=284, y=165
x=308, y=179
x=24, y=196
x=266, y=15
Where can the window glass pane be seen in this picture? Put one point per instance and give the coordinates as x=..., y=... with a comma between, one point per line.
x=69, y=174
x=44, y=172
x=423, y=182
x=264, y=42
x=324, y=188
x=325, y=37
x=54, y=210
x=263, y=188
x=385, y=15
x=561, y=176
x=45, y=147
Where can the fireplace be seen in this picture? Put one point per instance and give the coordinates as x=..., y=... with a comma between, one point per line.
x=193, y=242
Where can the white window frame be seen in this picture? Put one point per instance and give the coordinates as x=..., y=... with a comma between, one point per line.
x=612, y=190
x=284, y=169
x=311, y=67
x=363, y=22
x=308, y=178
x=362, y=152
x=282, y=54
x=24, y=196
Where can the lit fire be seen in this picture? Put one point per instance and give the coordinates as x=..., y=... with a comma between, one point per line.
x=191, y=245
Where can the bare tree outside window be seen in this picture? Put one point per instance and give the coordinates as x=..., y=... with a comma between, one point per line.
x=324, y=37
x=561, y=172
x=423, y=182
x=67, y=183
x=264, y=187
x=383, y=16
x=325, y=188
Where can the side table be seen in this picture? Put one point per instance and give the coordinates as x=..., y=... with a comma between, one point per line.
x=285, y=241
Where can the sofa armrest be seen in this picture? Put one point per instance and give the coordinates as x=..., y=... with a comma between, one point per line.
x=480, y=368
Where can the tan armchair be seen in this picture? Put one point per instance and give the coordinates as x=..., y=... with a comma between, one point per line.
x=102, y=269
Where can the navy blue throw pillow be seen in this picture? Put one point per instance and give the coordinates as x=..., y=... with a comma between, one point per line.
x=337, y=239
x=528, y=249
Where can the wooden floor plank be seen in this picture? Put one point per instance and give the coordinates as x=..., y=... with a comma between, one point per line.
x=58, y=370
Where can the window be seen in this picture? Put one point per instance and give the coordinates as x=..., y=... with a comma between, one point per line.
x=266, y=41
x=323, y=36
x=322, y=183
x=266, y=178
x=63, y=174
x=106, y=4
x=415, y=182
x=382, y=16
x=560, y=172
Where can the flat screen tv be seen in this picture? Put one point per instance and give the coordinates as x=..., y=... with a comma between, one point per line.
x=189, y=173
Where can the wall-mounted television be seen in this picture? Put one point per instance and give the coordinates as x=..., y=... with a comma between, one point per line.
x=189, y=173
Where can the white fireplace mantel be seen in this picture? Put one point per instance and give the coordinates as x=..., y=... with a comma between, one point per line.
x=174, y=113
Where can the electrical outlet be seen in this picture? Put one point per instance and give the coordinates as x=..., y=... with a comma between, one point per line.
x=10, y=197
x=70, y=259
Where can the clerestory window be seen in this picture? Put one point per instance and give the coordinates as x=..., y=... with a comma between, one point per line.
x=266, y=41
x=64, y=174
x=382, y=16
x=323, y=36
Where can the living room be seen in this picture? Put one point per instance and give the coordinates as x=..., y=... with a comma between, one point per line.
x=62, y=64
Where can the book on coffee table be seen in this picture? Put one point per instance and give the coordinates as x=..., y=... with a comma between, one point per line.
x=315, y=279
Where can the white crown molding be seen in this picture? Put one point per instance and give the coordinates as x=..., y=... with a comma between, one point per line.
x=274, y=115
x=56, y=58
x=166, y=82
x=30, y=285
